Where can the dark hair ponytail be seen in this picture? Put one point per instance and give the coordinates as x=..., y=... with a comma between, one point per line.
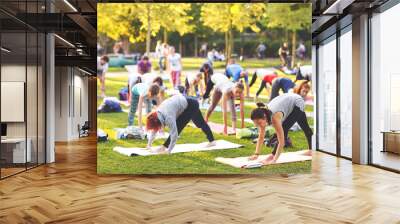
x=261, y=112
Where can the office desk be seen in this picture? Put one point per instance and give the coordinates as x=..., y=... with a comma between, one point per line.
x=16, y=148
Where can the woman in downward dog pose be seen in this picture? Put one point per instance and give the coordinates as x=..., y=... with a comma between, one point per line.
x=281, y=113
x=267, y=78
x=175, y=113
x=281, y=83
x=193, y=84
x=228, y=91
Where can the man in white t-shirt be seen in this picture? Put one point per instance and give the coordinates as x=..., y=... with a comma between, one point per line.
x=102, y=67
x=175, y=67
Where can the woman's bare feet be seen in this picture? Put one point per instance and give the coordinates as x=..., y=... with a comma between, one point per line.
x=308, y=153
x=268, y=160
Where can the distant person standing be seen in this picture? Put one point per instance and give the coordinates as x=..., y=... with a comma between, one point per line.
x=159, y=53
x=174, y=67
x=261, y=48
x=301, y=51
x=102, y=67
x=284, y=54
x=164, y=51
x=144, y=65
x=203, y=50
x=117, y=49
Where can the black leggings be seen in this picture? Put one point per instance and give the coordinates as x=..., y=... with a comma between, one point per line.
x=209, y=87
x=300, y=117
x=253, y=79
x=192, y=113
x=262, y=86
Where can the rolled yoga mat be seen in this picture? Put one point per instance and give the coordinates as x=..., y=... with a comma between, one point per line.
x=252, y=132
x=220, y=144
x=244, y=162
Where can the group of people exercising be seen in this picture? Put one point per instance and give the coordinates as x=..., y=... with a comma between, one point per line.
x=175, y=112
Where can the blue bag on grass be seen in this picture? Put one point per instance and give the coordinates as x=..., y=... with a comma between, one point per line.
x=110, y=104
x=123, y=94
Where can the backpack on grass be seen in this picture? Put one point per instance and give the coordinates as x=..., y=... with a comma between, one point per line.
x=110, y=104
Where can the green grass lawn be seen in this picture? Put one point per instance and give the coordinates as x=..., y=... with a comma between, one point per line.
x=110, y=162
x=194, y=63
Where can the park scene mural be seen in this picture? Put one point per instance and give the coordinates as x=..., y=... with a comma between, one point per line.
x=204, y=88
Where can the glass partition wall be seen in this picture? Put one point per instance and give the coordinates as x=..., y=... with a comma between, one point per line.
x=385, y=89
x=334, y=94
x=345, y=108
x=327, y=95
x=22, y=77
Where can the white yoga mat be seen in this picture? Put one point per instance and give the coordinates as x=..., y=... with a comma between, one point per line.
x=244, y=162
x=220, y=144
x=172, y=92
x=205, y=106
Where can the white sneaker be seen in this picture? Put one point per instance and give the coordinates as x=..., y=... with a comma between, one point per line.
x=211, y=144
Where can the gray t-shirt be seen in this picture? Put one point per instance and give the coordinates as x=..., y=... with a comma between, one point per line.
x=168, y=111
x=285, y=104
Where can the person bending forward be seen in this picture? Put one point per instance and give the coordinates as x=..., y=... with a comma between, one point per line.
x=228, y=91
x=282, y=113
x=175, y=113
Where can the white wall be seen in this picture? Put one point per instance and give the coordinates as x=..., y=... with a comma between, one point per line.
x=12, y=73
x=71, y=103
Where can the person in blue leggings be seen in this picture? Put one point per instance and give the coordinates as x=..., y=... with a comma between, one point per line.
x=281, y=83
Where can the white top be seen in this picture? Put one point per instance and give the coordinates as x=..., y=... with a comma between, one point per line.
x=132, y=79
x=222, y=82
x=159, y=50
x=100, y=67
x=306, y=70
x=191, y=77
x=285, y=103
x=261, y=72
x=148, y=78
x=174, y=62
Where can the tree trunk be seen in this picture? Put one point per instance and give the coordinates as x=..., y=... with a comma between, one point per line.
x=226, y=45
x=195, y=46
x=165, y=36
x=231, y=45
x=125, y=45
x=241, y=46
x=293, y=48
x=148, y=35
x=180, y=46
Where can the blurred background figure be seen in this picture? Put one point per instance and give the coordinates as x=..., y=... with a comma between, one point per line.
x=102, y=67
x=144, y=65
x=261, y=48
x=284, y=55
x=174, y=67
x=203, y=50
x=301, y=51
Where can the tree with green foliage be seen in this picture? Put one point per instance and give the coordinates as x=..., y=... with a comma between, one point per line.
x=227, y=17
x=139, y=22
x=293, y=17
